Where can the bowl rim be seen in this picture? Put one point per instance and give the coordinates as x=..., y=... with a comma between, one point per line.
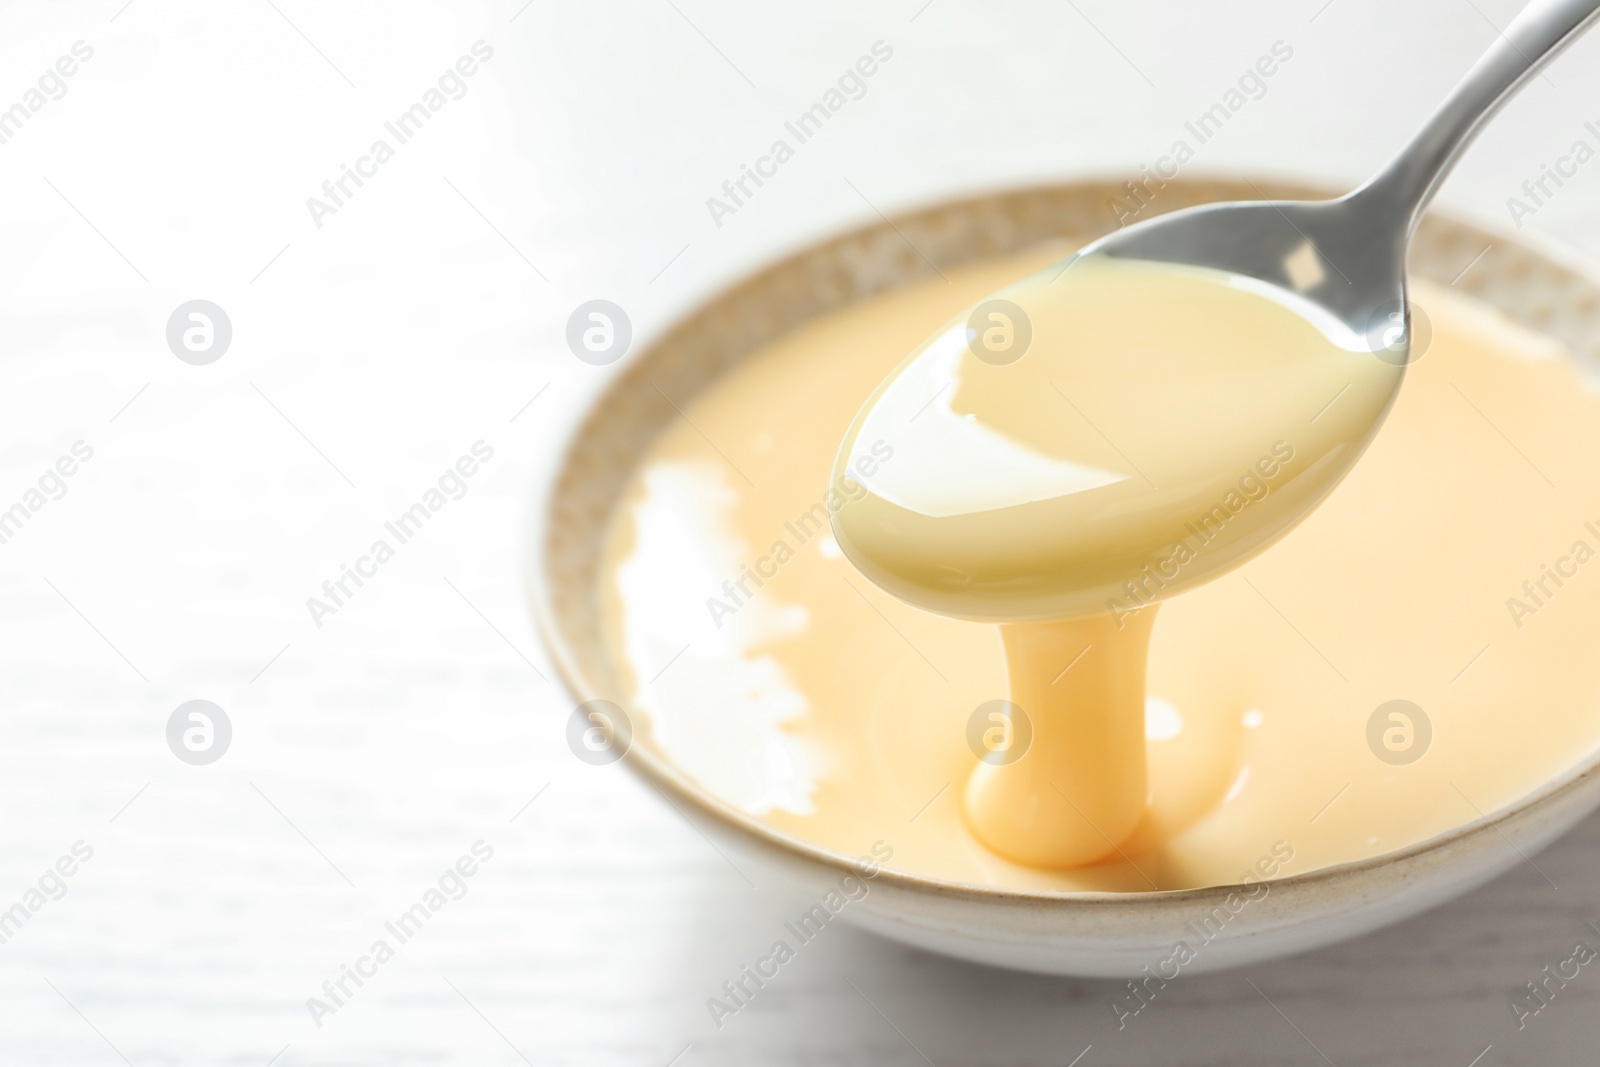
x=666, y=779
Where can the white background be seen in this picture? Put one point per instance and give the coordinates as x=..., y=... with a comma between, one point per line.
x=425, y=315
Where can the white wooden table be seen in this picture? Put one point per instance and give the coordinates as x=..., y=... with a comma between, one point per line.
x=426, y=314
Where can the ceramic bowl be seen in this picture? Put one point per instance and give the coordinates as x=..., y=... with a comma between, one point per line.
x=1091, y=934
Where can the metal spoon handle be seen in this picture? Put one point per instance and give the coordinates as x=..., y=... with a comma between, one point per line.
x=1537, y=35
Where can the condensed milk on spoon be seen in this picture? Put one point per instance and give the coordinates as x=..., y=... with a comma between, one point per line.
x=1095, y=438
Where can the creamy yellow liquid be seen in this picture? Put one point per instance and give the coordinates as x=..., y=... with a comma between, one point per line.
x=1079, y=788
x=1163, y=424
x=841, y=715
x=1089, y=440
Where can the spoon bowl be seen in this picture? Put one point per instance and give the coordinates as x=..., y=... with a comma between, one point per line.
x=1104, y=433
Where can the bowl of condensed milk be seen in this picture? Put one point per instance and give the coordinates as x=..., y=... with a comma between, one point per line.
x=1388, y=707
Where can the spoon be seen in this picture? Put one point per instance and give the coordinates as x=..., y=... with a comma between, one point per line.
x=1156, y=409
x=1123, y=426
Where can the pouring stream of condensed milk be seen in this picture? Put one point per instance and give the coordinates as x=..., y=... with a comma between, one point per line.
x=1130, y=423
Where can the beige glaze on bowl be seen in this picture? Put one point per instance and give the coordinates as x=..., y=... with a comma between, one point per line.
x=1105, y=934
